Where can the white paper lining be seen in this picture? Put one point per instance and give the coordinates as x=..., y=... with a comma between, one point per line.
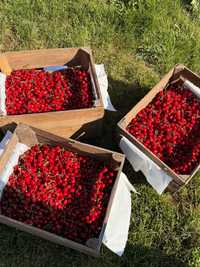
x=193, y=88
x=2, y=94
x=103, y=84
x=12, y=161
x=116, y=232
x=156, y=177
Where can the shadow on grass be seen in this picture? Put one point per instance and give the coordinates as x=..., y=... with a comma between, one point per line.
x=124, y=96
x=186, y=2
x=25, y=250
x=138, y=255
x=134, y=177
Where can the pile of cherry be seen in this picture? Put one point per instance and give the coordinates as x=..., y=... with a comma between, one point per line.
x=33, y=91
x=59, y=191
x=170, y=128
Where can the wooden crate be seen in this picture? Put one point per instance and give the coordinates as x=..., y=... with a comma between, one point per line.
x=178, y=72
x=30, y=136
x=84, y=123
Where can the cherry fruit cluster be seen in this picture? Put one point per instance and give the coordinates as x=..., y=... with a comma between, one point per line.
x=35, y=91
x=170, y=128
x=59, y=191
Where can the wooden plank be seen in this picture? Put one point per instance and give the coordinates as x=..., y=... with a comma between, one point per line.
x=36, y=58
x=49, y=236
x=63, y=123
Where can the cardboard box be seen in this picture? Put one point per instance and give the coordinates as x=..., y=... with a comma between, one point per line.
x=31, y=136
x=83, y=123
x=177, y=73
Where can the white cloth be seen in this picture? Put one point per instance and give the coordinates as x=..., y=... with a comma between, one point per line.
x=2, y=94
x=157, y=178
x=5, y=141
x=103, y=84
x=193, y=88
x=12, y=161
x=116, y=232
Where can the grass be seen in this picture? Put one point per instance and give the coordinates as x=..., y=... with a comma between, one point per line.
x=138, y=41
